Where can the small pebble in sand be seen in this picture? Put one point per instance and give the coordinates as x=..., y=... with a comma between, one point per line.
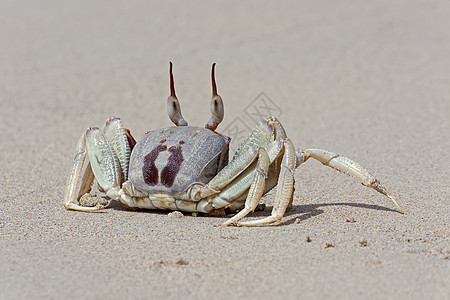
x=363, y=243
x=308, y=239
x=350, y=220
x=175, y=214
x=195, y=214
x=329, y=245
x=182, y=262
x=92, y=199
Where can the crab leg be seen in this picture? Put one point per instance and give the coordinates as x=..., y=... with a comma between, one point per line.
x=262, y=136
x=78, y=183
x=229, y=187
x=349, y=167
x=256, y=189
x=285, y=187
x=108, y=150
x=239, y=173
x=231, y=173
x=234, y=191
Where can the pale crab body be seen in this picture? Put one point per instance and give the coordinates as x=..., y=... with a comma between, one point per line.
x=186, y=168
x=169, y=160
x=167, y=164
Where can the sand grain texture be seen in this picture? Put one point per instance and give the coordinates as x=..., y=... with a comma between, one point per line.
x=367, y=80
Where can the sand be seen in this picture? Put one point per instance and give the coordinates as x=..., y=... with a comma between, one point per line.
x=367, y=80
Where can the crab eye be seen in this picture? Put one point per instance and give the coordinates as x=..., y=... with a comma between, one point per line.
x=173, y=105
x=216, y=105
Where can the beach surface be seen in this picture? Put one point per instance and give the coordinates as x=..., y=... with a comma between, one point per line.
x=368, y=80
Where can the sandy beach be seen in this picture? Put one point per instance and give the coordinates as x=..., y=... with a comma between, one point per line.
x=368, y=80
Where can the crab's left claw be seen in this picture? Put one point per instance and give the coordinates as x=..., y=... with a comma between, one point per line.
x=216, y=105
x=80, y=180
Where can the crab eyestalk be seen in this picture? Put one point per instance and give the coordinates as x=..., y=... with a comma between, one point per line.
x=173, y=105
x=216, y=105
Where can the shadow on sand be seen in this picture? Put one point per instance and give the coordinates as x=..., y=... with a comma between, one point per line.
x=297, y=213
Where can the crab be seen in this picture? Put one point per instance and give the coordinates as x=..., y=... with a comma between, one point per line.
x=186, y=168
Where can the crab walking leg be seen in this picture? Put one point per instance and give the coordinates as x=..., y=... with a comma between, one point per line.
x=284, y=189
x=78, y=184
x=349, y=167
x=262, y=136
x=256, y=189
x=235, y=171
x=240, y=174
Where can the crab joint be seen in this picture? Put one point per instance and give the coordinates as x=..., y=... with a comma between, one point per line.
x=173, y=105
x=216, y=105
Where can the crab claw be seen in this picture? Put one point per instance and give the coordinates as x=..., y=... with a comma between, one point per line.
x=173, y=105
x=216, y=105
